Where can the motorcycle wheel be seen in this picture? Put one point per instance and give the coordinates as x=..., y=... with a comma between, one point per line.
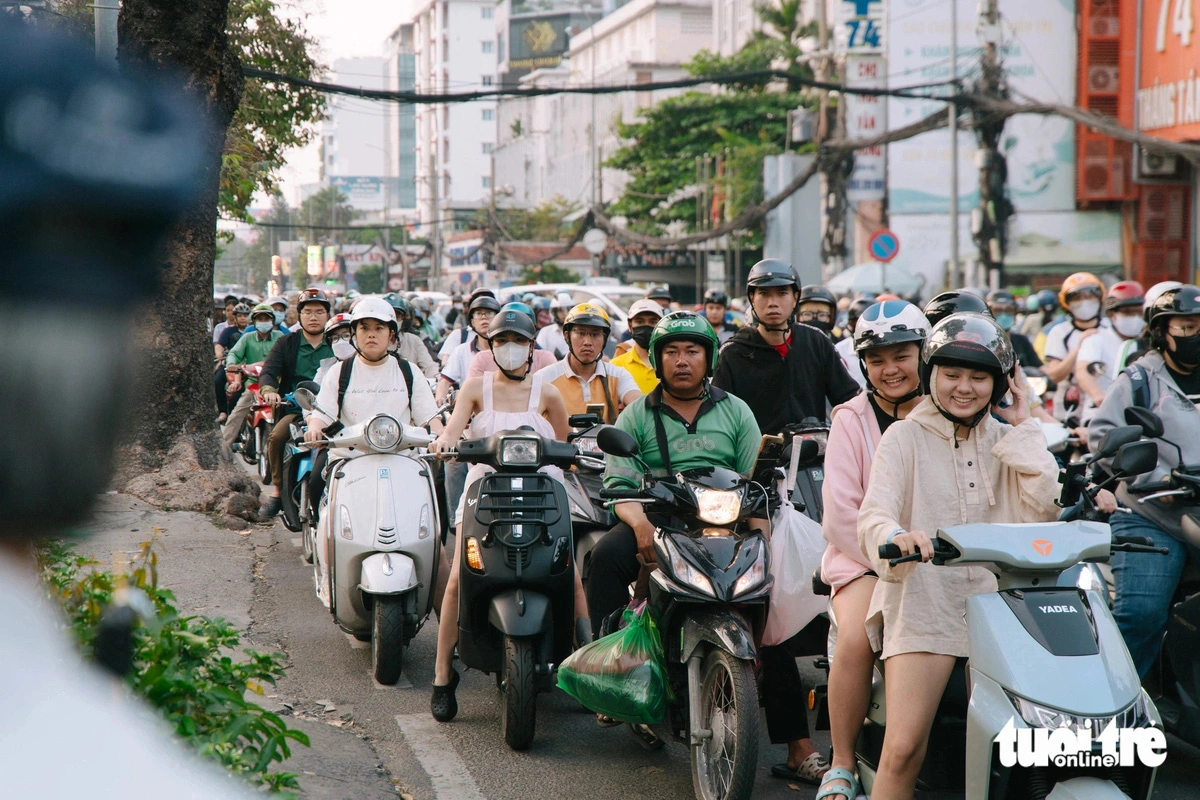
x=306, y=526
x=260, y=440
x=247, y=438
x=520, y=696
x=387, y=639
x=723, y=765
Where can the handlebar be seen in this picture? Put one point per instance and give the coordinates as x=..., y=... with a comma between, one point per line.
x=941, y=551
x=621, y=494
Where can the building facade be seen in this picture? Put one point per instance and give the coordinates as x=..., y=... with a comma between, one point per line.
x=400, y=141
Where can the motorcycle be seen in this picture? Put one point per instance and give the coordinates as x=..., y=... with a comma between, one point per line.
x=810, y=475
x=516, y=580
x=296, y=507
x=251, y=440
x=709, y=598
x=1042, y=655
x=376, y=540
x=590, y=515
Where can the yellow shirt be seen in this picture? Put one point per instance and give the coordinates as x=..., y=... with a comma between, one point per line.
x=640, y=370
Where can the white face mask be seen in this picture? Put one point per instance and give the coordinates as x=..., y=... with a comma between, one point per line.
x=1084, y=310
x=343, y=349
x=510, y=356
x=1129, y=327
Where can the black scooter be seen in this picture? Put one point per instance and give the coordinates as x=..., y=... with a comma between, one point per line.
x=591, y=518
x=516, y=580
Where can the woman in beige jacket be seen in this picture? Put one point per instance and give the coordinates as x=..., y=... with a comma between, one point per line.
x=948, y=463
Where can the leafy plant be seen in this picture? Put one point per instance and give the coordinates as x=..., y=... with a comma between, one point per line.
x=369, y=278
x=182, y=665
x=548, y=273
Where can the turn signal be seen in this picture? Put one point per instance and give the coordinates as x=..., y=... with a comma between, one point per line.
x=474, y=557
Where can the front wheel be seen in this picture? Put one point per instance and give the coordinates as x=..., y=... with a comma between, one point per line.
x=260, y=444
x=247, y=437
x=387, y=639
x=723, y=763
x=520, y=696
x=307, y=529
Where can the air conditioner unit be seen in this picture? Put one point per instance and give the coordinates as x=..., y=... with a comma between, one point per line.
x=1101, y=80
x=1158, y=165
x=1104, y=26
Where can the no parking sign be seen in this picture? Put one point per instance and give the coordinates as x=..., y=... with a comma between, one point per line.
x=883, y=245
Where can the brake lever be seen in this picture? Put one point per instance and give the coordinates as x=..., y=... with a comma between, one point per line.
x=1139, y=548
x=1168, y=493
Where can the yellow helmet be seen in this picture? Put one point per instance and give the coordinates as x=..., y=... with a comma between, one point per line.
x=587, y=314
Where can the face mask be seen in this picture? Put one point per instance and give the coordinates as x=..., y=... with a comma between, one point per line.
x=510, y=356
x=1085, y=310
x=641, y=335
x=1187, y=350
x=280, y=316
x=1006, y=321
x=343, y=349
x=1129, y=327
x=264, y=326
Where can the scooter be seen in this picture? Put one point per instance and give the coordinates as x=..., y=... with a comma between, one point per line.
x=251, y=441
x=709, y=598
x=516, y=580
x=1042, y=656
x=810, y=476
x=297, y=509
x=376, y=543
x=591, y=518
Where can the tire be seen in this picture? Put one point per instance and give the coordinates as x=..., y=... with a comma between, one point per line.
x=387, y=639
x=723, y=766
x=246, y=437
x=260, y=440
x=520, y=697
x=307, y=529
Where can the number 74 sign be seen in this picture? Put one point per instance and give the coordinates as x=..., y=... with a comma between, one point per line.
x=861, y=25
x=1181, y=23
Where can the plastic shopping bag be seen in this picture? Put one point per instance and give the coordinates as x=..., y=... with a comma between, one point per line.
x=620, y=675
x=796, y=549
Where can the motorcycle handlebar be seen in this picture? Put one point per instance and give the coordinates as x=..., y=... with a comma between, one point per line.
x=892, y=553
x=620, y=494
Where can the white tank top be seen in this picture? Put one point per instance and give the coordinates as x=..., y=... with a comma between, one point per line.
x=490, y=421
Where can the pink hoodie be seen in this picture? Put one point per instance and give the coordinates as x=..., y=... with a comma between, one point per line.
x=853, y=437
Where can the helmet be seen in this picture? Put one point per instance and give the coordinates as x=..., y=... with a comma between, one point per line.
x=353, y=295
x=686, y=326
x=587, y=314
x=884, y=297
x=520, y=306
x=954, y=302
x=1125, y=294
x=645, y=306
x=562, y=301
x=242, y=308
x=771, y=272
x=527, y=298
x=1080, y=282
x=335, y=322
x=277, y=300
x=456, y=297
x=889, y=322
x=1184, y=301
x=482, y=302
x=312, y=296
x=973, y=341
x=262, y=308
x=540, y=304
x=1001, y=297
x=374, y=308
x=857, y=307
x=1047, y=299
x=659, y=293
x=512, y=318
x=1153, y=294
x=420, y=309
x=716, y=296
x=818, y=294
x=1031, y=303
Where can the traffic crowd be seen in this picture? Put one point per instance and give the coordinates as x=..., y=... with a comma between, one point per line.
x=954, y=400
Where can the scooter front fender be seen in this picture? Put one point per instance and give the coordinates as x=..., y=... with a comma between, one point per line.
x=516, y=612
x=724, y=629
x=1086, y=788
x=388, y=573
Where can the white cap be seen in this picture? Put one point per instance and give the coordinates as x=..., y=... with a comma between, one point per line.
x=374, y=308
x=645, y=306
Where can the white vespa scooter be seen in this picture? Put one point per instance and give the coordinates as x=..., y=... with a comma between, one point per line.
x=376, y=540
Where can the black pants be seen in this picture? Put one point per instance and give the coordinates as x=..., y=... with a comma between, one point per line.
x=219, y=384
x=614, y=566
x=316, y=480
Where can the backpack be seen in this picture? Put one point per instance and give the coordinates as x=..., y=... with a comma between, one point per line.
x=1139, y=380
x=348, y=370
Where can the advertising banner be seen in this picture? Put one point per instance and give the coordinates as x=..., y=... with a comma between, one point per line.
x=1168, y=94
x=866, y=116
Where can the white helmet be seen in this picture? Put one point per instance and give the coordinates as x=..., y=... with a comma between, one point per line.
x=889, y=322
x=562, y=301
x=1156, y=291
x=645, y=306
x=374, y=308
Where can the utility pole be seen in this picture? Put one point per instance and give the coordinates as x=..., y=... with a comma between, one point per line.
x=952, y=271
x=436, y=242
x=106, y=30
x=989, y=222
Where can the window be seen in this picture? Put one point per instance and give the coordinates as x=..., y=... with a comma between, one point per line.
x=489, y=114
x=486, y=12
x=487, y=148
x=488, y=80
x=488, y=46
x=487, y=182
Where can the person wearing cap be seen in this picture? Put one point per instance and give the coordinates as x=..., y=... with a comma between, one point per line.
x=467, y=332
x=454, y=371
x=1102, y=356
x=408, y=344
x=279, y=306
x=643, y=316
x=660, y=295
x=551, y=337
x=294, y=358
x=252, y=348
x=583, y=377
x=716, y=310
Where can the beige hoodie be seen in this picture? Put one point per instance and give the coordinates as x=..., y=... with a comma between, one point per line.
x=921, y=481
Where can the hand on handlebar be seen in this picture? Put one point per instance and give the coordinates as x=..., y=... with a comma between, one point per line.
x=314, y=434
x=914, y=542
x=439, y=446
x=1106, y=501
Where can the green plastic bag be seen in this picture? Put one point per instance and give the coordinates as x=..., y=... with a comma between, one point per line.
x=621, y=675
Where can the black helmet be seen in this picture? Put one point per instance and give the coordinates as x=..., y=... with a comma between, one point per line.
x=857, y=308
x=1184, y=301
x=659, y=293
x=512, y=320
x=482, y=301
x=1001, y=297
x=973, y=341
x=716, y=296
x=954, y=302
x=813, y=293
x=771, y=272
x=313, y=296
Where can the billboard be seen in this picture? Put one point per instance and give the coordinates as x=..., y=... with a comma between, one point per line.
x=540, y=31
x=1168, y=104
x=365, y=193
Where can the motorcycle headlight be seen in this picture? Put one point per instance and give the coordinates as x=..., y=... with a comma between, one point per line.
x=683, y=570
x=519, y=451
x=1134, y=715
x=1090, y=580
x=383, y=432
x=718, y=506
x=755, y=576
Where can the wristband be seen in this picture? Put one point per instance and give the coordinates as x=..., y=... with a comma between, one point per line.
x=894, y=534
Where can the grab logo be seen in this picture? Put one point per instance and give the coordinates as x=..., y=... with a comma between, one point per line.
x=1043, y=546
x=694, y=444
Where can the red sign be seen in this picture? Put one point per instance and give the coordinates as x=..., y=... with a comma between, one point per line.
x=1168, y=94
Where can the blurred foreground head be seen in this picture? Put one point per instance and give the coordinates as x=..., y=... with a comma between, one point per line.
x=96, y=166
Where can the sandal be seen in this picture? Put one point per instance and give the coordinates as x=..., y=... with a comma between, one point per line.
x=839, y=774
x=443, y=704
x=810, y=770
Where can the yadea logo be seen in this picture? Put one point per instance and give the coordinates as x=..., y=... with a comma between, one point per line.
x=1043, y=546
x=1064, y=747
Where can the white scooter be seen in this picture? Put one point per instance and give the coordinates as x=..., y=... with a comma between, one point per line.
x=376, y=540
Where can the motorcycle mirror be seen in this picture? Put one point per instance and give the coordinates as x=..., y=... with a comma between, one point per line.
x=616, y=442
x=1135, y=458
x=311, y=386
x=1150, y=422
x=1114, y=439
x=305, y=398
x=579, y=421
x=809, y=450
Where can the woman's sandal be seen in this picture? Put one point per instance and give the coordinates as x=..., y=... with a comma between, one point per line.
x=839, y=774
x=443, y=704
x=810, y=770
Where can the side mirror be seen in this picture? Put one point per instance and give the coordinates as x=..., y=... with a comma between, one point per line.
x=311, y=386
x=1151, y=425
x=616, y=442
x=809, y=450
x=305, y=398
x=1114, y=439
x=579, y=421
x=1136, y=458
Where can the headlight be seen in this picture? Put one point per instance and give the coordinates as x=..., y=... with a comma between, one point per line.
x=753, y=577
x=1134, y=715
x=682, y=569
x=519, y=452
x=383, y=432
x=717, y=506
x=1091, y=580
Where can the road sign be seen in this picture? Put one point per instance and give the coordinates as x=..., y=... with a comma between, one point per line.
x=883, y=245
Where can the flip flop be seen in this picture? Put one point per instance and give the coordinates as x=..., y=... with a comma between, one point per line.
x=839, y=774
x=810, y=770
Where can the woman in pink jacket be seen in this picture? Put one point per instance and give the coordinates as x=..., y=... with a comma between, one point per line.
x=888, y=342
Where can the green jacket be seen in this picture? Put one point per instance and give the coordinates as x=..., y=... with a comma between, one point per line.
x=724, y=434
x=250, y=349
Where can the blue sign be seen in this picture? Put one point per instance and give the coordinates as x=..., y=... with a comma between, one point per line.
x=883, y=245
